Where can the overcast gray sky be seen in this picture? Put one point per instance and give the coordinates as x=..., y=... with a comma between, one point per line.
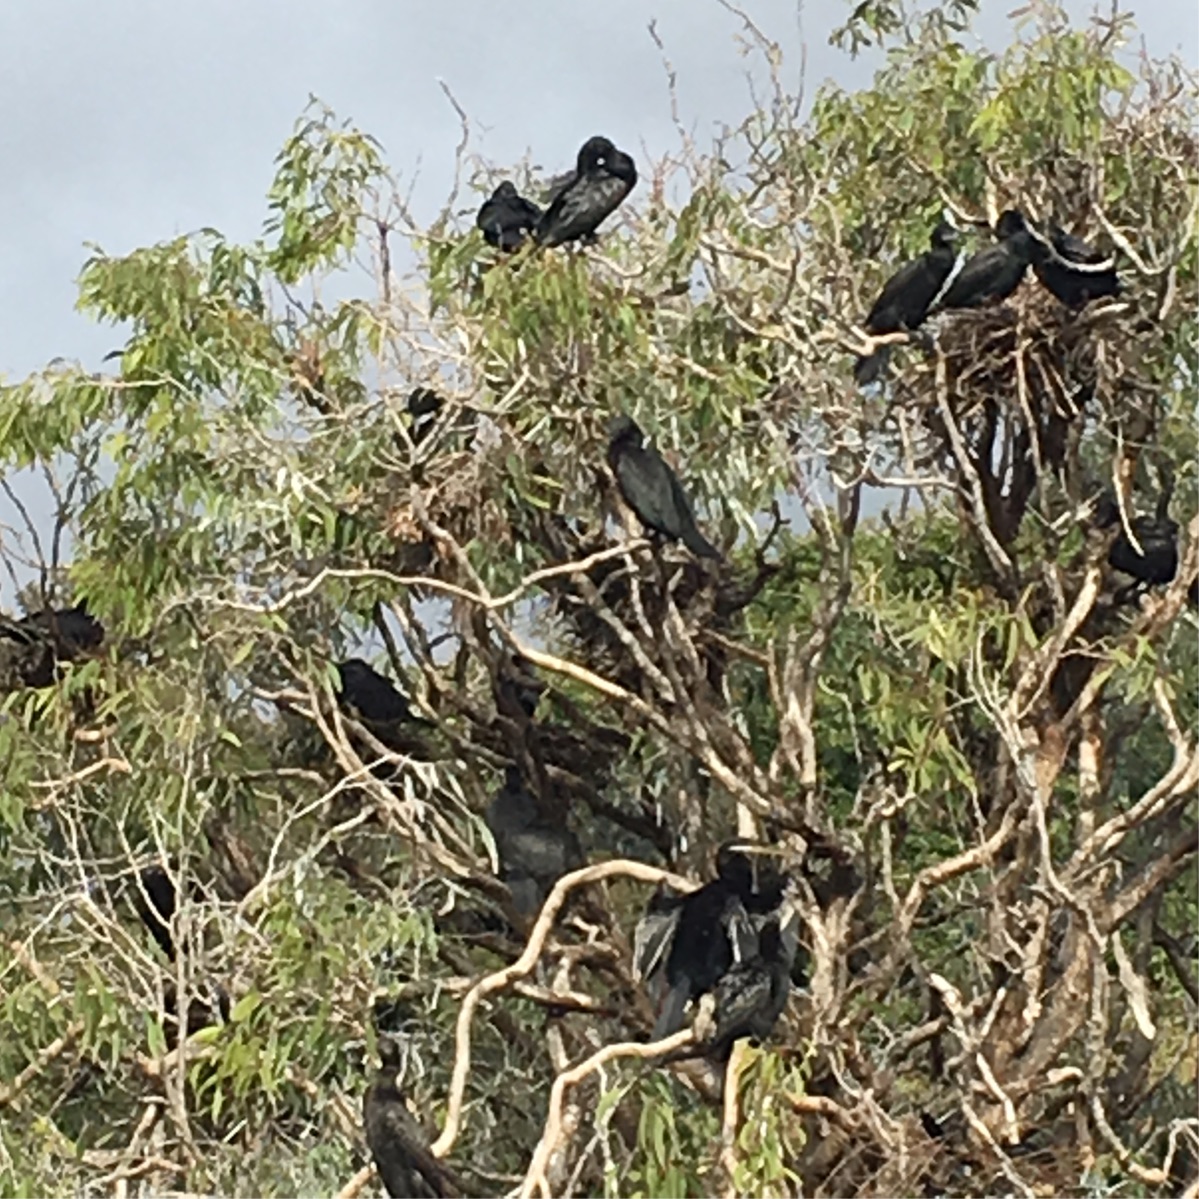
x=129, y=121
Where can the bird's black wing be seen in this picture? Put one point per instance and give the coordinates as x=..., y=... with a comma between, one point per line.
x=684, y=515
x=400, y=1148
x=900, y=293
x=645, y=483
x=991, y=274
x=653, y=936
x=579, y=208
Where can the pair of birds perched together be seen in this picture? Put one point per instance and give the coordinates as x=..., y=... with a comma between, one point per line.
x=1067, y=266
x=576, y=205
x=735, y=938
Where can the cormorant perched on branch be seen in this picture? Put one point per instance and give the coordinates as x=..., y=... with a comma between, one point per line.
x=1076, y=272
x=907, y=296
x=534, y=851
x=154, y=899
x=374, y=700
x=603, y=177
x=507, y=218
x=996, y=271
x=43, y=639
x=652, y=489
x=751, y=996
x=684, y=945
x=424, y=406
x=396, y=1140
x=1156, y=562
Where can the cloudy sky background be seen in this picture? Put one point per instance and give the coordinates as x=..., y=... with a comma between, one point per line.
x=128, y=122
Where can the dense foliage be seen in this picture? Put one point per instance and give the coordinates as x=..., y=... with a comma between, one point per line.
x=917, y=670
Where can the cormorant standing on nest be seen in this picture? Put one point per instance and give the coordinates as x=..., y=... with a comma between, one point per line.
x=652, y=490
x=602, y=178
x=507, y=218
x=396, y=1140
x=534, y=850
x=684, y=945
x=906, y=298
x=996, y=271
x=1076, y=272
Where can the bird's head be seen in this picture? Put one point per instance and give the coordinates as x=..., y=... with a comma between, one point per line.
x=944, y=235
x=624, y=430
x=505, y=191
x=1010, y=223
x=735, y=859
x=594, y=154
x=424, y=401
x=353, y=670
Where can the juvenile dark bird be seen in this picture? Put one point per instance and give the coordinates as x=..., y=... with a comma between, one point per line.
x=906, y=298
x=1074, y=271
x=534, y=850
x=651, y=489
x=507, y=219
x=373, y=699
x=396, y=1140
x=603, y=177
x=995, y=272
x=684, y=945
x=751, y=995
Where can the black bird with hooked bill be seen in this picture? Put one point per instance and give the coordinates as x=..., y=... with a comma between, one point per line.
x=507, y=219
x=534, y=850
x=651, y=489
x=1074, y=271
x=602, y=178
x=995, y=272
x=396, y=1140
x=684, y=945
x=906, y=298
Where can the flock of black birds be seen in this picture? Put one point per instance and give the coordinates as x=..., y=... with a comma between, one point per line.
x=939, y=281
x=735, y=938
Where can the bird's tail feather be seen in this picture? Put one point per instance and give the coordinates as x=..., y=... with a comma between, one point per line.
x=672, y=1016
x=700, y=546
x=867, y=370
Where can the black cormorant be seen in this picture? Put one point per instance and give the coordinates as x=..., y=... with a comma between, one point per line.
x=685, y=944
x=652, y=489
x=1155, y=563
x=907, y=296
x=154, y=899
x=373, y=699
x=37, y=643
x=1076, y=272
x=396, y=1140
x=534, y=851
x=507, y=218
x=424, y=406
x=996, y=271
x=602, y=178
x=751, y=996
